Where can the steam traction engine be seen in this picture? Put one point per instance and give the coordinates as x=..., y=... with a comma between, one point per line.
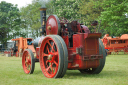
x=65, y=46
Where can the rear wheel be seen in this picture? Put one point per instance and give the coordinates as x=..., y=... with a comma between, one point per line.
x=52, y=57
x=102, y=61
x=28, y=61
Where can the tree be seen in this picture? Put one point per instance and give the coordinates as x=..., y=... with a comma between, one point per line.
x=113, y=18
x=65, y=8
x=9, y=21
x=111, y=15
x=90, y=11
x=30, y=16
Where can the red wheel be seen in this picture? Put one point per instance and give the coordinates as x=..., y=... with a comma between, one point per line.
x=51, y=57
x=65, y=54
x=28, y=61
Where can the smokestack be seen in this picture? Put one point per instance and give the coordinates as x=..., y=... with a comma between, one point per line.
x=43, y=20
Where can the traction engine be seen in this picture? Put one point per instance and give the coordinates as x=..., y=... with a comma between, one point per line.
x=63, y=46
x=115, y=45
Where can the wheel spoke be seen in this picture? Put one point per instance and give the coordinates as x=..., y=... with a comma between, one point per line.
x=45, y=54
x=29, y=60
x=55, y=63
x=47, y=48
x=48, y=68
x=47, y=62
x=49, y=44
x=52, y=68
x=26, y=58
x=55, y=53
x=27, y=65
x=26, y=62
x=53, y=50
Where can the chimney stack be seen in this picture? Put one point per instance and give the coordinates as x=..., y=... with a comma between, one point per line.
x=43, y=20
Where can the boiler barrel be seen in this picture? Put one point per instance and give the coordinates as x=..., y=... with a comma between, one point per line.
x=36, y=42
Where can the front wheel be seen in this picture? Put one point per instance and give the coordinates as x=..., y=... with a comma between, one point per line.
x=28, y=61
x=52, y=57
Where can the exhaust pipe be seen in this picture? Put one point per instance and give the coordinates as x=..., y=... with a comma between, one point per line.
x=43, y=21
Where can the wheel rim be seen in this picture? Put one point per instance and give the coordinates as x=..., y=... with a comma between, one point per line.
x=49, y=60
x=65, y=54
x=26, y=62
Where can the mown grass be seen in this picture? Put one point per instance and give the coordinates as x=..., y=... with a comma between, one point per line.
x=115, y=72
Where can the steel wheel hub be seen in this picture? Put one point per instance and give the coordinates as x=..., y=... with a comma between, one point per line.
x=50, y=57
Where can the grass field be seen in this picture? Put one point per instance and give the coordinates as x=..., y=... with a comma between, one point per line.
x=115, y=72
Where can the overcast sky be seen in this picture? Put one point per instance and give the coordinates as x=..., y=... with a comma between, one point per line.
x=20, y=3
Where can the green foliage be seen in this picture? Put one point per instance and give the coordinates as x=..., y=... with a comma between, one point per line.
x=113, y=18
x=65, y=8
x=90, y=10
x=109, y=13
x=30, y=16
x=9, y=21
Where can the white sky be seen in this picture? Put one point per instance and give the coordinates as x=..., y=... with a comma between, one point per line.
x=20, y=3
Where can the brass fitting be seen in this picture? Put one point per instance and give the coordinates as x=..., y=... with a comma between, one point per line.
x=49, y=27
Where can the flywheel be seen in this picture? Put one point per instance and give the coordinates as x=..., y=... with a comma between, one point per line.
x=53, y=25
